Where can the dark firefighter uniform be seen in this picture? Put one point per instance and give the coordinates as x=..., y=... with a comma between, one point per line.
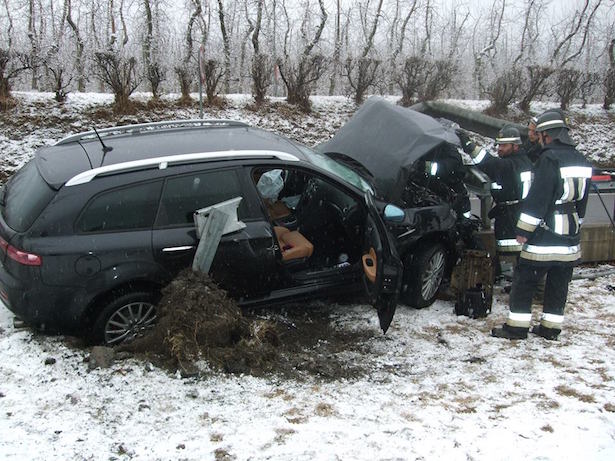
x=550, y=220
x=511, y=177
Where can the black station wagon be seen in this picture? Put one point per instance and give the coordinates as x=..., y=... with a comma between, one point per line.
x=92, y=227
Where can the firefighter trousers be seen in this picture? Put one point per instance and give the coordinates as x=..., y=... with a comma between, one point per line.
x=526, y=278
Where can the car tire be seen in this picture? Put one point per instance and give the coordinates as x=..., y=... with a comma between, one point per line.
x=125, y=317
x=423, y=275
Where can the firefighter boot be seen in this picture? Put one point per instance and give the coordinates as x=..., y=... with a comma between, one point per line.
x=508, y=332
x=548, y=333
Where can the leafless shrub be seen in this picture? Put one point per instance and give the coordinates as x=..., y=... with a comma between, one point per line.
x=361, y=74
x=503, y=91
x=185, y=77
x=299, y=78
x=536, y=84
x=439, y=79
x=120, y=74
x=214, y=71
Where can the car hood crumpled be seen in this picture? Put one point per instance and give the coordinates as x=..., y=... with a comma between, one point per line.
x=387, y=140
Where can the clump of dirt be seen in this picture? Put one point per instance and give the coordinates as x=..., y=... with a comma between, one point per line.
x=198, y=321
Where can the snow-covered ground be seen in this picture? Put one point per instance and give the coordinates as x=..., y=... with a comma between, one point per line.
x=436, y=386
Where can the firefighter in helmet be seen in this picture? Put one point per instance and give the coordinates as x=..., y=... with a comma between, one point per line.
x=510, y=173
x=549, y=230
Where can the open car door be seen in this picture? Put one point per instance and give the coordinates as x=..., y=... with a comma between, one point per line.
x=382, y=267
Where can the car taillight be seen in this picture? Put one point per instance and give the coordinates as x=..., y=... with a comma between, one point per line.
x=22, y=257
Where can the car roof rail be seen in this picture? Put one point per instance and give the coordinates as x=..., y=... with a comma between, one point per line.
x=163, y=162
x=151, y=126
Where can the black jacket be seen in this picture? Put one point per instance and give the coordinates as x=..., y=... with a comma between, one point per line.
x=511, y=178
x=551, y=214
x=532, y=150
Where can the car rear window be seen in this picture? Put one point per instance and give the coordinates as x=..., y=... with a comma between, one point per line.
x=128, y=208
x=24, y=198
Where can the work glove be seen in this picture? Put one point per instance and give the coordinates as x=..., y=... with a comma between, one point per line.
x=466, y=143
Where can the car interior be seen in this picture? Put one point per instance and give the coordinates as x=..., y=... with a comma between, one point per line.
x=317, y=225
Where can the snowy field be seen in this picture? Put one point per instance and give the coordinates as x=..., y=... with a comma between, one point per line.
x=436, y=386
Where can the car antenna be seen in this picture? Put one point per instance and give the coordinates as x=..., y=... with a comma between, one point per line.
x=105, y=147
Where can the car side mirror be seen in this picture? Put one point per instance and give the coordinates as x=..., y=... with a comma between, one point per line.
x=394, y=214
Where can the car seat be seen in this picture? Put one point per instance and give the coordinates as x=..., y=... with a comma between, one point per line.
x=293, y=244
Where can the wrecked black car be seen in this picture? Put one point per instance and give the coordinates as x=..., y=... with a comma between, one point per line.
x=94, y=226
x=413, y=162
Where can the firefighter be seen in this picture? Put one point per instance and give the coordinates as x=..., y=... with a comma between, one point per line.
x=548, y=228
x=511, y=175
x=532, y=147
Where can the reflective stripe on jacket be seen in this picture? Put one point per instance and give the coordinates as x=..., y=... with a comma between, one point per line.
x=551, y=214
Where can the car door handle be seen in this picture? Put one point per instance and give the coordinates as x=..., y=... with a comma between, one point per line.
x=182, y=248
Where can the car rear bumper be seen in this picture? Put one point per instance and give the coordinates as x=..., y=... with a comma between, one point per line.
x=45, y=308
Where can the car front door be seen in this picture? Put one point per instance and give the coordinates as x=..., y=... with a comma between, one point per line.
x=382, y=267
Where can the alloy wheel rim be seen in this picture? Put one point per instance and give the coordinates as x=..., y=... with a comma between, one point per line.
x=433, y=275
x=129, y=322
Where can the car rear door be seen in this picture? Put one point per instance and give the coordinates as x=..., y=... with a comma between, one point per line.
x=382, y=267
x=245, y=260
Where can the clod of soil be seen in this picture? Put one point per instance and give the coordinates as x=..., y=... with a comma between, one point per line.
x=198, y=321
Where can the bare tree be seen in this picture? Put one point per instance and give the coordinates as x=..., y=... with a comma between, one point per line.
x=154, y=71
x=535, y=84
x=489, y=51
x=397, y=41
x=12, y=64
x=361, y=72
x=410, y=78
x=80, y=46
x=609, y=78
x=439, y=78
x=226, y=41
x=568, y=83
x=184, y=70
x=503, y=91
x=214, y=71
x=261, y=63
x=299, y=75
x=244, y=41
x=589, y=82
x=120, y=73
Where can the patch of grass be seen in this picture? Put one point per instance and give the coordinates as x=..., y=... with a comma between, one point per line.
x=547, y=428
x=221, y=454
x=567, y=391
x=282, y=434
x=216, y=437
x=324, y=410
x=609, y=407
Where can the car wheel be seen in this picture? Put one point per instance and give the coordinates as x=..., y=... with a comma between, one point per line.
x=423, y=276
x=125, y=318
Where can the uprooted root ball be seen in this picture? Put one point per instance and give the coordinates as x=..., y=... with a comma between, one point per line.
x=198, y=321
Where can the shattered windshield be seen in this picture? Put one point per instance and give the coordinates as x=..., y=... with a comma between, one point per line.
x=339, y=170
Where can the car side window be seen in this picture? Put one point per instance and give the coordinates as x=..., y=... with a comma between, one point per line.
x=127, y=208
x=183, y=195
